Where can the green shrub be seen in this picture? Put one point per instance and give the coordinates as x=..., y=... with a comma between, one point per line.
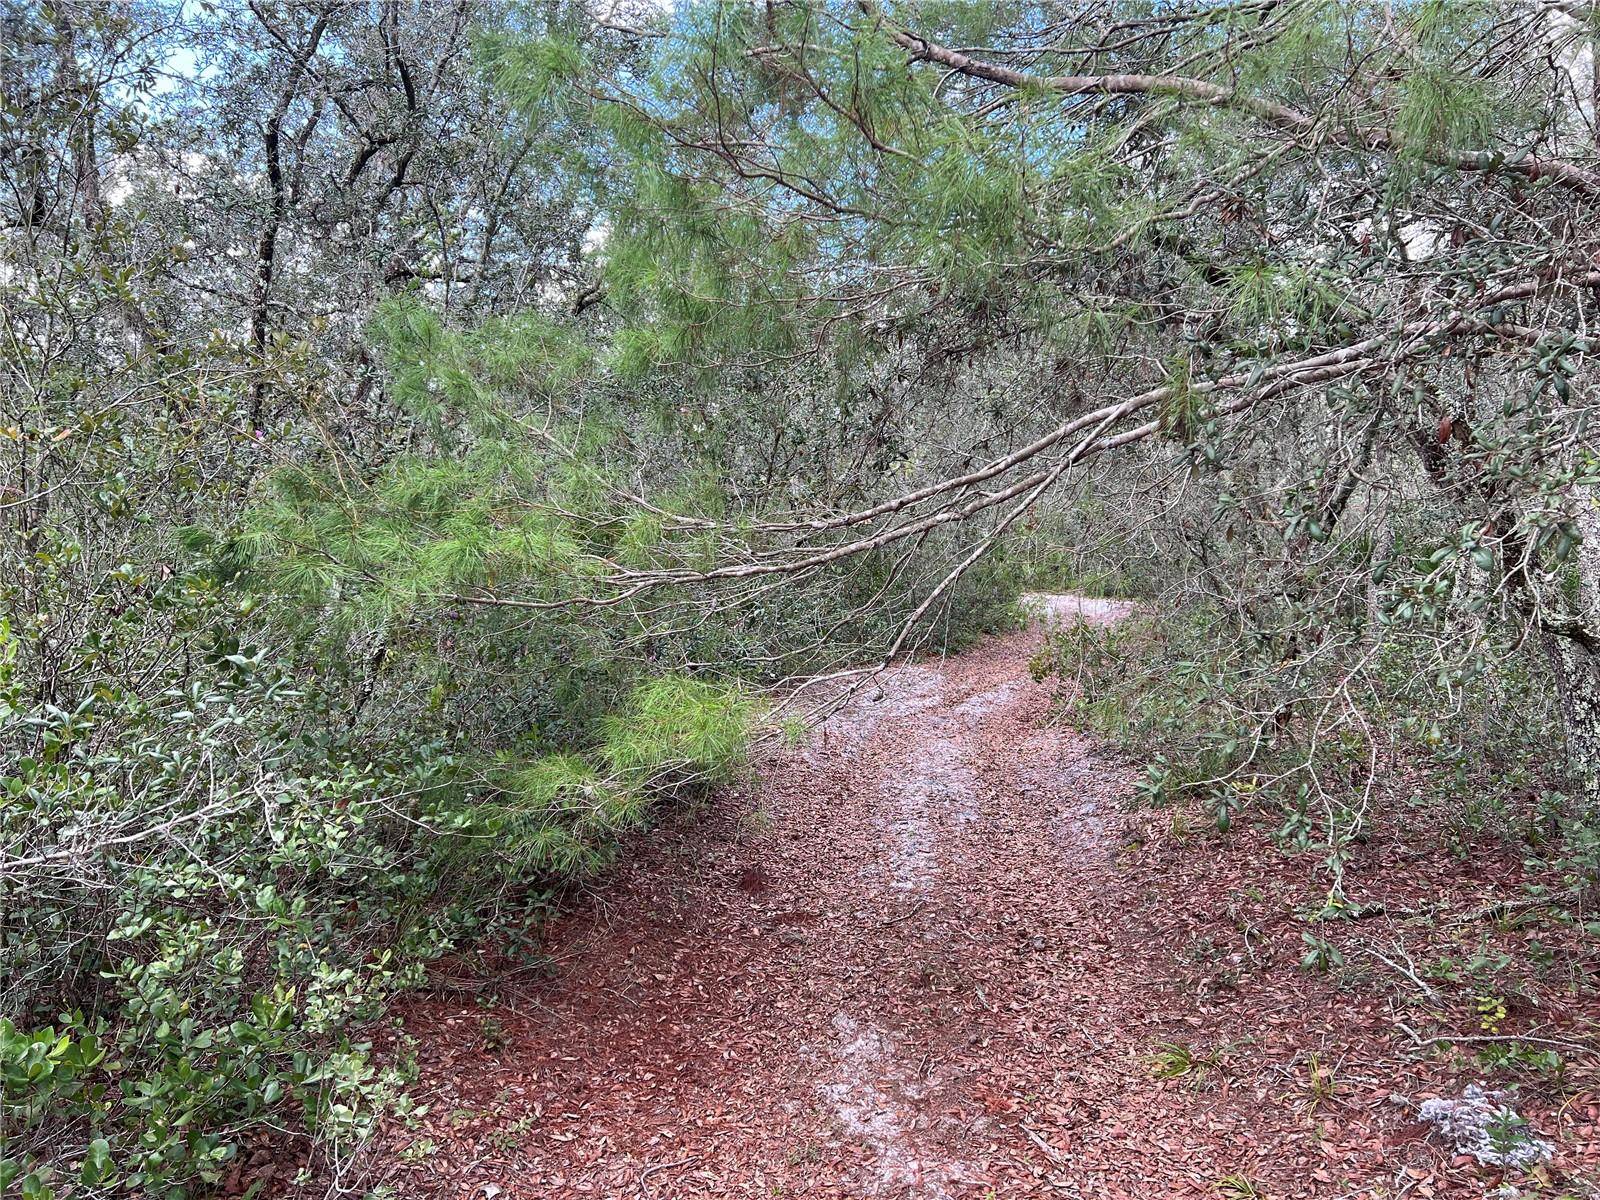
x=221, y=893
x=1240, y=724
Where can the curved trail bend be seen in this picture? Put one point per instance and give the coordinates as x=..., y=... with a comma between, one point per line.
x=895, y=964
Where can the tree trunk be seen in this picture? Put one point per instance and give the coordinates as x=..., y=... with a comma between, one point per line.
x=1577, y=670
x=1575, y=658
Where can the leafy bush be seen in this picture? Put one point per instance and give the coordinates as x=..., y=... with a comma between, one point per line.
x=1242, y=723
x=212, y=893
x=218, y=889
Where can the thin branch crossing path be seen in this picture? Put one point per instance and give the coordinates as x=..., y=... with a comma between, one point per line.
x=924, y=955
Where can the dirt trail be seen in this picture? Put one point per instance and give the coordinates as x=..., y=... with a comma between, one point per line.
x=903, y=961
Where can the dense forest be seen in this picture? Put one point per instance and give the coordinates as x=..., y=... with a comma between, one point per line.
x=442, y=439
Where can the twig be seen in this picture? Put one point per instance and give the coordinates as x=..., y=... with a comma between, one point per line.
x=906, y=916
x=1504, y=908
x=1427, y=989
x=1526, y=1039
x=644, y=1176
x=1045, y=1146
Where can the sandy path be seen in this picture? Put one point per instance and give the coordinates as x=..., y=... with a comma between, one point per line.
x=913, y=959
x=836, y=982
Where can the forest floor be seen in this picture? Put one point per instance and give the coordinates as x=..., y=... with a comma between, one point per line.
x=932, y=953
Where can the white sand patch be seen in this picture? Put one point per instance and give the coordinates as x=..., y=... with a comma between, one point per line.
x=873, y=1097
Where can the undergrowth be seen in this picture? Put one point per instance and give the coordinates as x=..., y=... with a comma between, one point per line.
x=216, y=901
x=1244, y=727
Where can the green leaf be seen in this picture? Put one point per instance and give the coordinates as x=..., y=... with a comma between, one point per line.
x=97, y=1164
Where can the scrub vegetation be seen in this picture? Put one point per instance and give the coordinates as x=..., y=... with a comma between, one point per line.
x=435, y=435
